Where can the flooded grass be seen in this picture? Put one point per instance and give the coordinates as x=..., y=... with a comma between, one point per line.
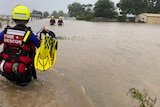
x=62, y=38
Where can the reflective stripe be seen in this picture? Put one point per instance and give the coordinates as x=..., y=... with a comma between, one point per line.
x=26, y=36
x=20, y=15
x=1, y=66
x=15, y=32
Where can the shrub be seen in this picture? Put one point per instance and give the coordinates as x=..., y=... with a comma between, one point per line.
x=143, y=97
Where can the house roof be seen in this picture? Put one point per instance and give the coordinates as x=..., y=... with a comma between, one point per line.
x=151, y=15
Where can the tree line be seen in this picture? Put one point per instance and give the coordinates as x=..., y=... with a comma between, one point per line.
x=136, y=7
x=107, y=9
x=47, y=14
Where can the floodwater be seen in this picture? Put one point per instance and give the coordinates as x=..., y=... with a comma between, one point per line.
x=97, y=63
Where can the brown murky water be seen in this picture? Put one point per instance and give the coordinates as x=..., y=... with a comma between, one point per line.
x=97, y=63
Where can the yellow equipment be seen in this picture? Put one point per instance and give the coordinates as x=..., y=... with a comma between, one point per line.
x=45, y=57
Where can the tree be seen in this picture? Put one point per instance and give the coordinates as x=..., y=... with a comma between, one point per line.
x=157, y=6
x=55, y=14
x=134, y=7
x=45, y=14
x=87, y=14
x=75, y=9
x=36, y=12
x=104, y=8
x=87, y=7
x=60, y=13
x=153, y=6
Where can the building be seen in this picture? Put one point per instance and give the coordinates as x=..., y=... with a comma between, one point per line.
x=148, y=18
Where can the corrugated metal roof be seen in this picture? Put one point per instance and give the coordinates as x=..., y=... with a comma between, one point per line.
x=151, y=14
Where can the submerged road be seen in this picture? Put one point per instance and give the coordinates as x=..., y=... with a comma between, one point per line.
x=97, y=63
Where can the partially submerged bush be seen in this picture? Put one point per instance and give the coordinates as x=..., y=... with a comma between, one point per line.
x=62, y=38
x=143, y=97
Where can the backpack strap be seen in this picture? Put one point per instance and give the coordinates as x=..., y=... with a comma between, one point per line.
x=26, y=35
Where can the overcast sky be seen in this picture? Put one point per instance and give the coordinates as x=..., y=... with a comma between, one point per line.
x=6, y=6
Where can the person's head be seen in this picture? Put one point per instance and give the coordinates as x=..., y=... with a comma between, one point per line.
x=20, y=14
x=60, y=17
x=52, y=17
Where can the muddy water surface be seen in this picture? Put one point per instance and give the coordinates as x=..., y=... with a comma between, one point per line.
x=97, y=63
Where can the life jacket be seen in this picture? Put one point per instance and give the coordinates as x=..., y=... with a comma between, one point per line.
x=52, y=21
x=60, y=21
x=17, y=56
x=17, y=47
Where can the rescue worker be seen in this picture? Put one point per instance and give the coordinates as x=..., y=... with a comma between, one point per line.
x=17, y=56
x=52, y=20
x=60, y=21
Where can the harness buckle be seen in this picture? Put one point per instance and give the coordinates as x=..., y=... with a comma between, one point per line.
x=19, y=52
x=20, y=49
